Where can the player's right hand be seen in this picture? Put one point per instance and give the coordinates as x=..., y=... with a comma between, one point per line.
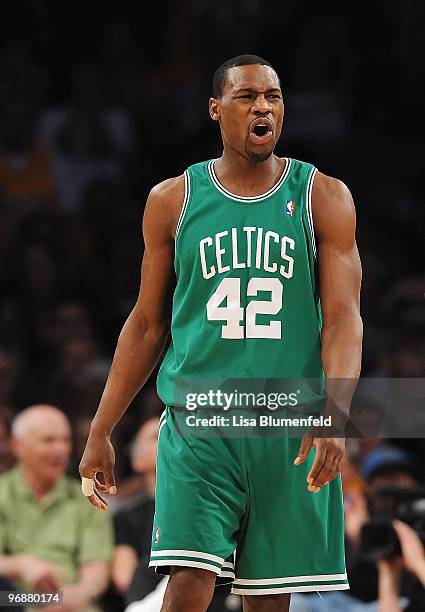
x=99, y=456
x=327, y=460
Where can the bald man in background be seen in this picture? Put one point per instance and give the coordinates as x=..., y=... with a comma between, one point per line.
x=50, y=538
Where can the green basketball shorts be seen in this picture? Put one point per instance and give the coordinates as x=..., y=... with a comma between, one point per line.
x=240, y=508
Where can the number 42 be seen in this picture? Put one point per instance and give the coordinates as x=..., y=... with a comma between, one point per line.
x=233, y=313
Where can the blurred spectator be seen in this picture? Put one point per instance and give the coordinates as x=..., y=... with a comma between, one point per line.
x=6, y=456
x=7, y=378
x=71, y=322
x=317, y=103
x=78, y=364
x=59, y=324
x=404, y=302
x=413, y=559
x=386, y=466
x=26, y=175
x=409, y=359
x=133, y=522
x=86, y=140
x=39, y=275
x=50, y=537
x=389, y=464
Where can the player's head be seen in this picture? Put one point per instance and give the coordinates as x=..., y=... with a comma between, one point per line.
x=247, y=102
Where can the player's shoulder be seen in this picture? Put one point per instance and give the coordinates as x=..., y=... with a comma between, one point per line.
x=163, y=207
x=170, y=191
x=329, y=187
x=331, y=203
x=330, y=196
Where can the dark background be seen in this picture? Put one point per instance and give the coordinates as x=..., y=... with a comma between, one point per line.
x=99, y=104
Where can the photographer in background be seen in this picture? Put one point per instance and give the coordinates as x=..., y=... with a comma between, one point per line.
x=377, y=543
x=412, y=559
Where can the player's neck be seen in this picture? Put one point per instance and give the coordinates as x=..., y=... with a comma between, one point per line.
x=247, y=177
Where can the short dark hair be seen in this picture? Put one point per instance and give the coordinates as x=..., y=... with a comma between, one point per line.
x=220, y=75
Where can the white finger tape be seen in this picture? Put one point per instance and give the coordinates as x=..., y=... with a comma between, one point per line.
x=87, y=486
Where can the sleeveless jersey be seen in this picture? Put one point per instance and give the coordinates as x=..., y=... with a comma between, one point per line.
x=246, y=303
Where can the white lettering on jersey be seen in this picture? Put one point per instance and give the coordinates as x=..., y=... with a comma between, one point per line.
x=219, y=252
x=248, y=231
x=235, y=250
x=235, y=262
x=290, y=260
x=267, y=266
x=259, y=244
x=205, y=273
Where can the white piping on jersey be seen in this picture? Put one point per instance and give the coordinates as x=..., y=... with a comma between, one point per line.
x=187, y=553
x=292, y=589
x=229, y=564
x=292, y=579
x=226, y=574
x=309, y=213
x=239, y=198
x=184, y=563
x=164, y=422
x=185, y=201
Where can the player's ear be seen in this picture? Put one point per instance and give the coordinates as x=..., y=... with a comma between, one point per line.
x=214, y=109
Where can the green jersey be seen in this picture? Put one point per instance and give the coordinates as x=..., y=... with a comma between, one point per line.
x=246, y=303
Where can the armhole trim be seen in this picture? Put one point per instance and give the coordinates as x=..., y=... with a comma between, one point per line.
x=185, y=202
x=309, y=211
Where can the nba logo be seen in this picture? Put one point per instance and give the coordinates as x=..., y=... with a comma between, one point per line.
x=290, y=208
x=158, y=531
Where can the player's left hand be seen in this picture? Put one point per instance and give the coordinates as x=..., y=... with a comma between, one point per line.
x=327, y=461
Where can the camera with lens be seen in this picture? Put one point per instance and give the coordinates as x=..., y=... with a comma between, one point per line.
x=378, y=537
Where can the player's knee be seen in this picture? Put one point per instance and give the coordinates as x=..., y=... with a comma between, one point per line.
x=190, y=588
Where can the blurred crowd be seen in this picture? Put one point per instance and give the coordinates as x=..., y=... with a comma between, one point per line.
x=52, y=539
x=95, y=111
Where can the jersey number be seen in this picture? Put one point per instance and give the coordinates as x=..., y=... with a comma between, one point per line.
x=233, y=313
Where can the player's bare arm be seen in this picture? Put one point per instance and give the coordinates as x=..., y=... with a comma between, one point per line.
x=143, y=336
x=340, y=278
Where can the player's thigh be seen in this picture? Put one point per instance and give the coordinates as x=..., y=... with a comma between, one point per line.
x=266, y=603
x=199, y=500
x=293, y=539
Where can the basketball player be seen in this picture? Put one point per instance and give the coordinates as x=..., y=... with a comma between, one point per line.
x=234, y=250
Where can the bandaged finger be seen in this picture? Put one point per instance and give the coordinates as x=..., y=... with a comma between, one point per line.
x=87, y=486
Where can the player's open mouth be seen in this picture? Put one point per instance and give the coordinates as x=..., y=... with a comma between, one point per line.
x=261, y=131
